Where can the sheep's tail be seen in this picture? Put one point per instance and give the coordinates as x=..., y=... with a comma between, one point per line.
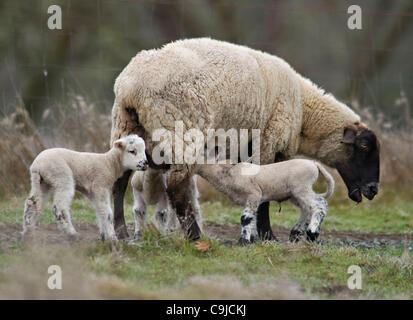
x=329, y=180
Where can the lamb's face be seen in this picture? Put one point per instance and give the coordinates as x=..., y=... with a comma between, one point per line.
x=133, y=152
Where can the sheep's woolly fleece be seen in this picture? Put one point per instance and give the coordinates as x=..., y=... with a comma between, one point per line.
x=214, y=84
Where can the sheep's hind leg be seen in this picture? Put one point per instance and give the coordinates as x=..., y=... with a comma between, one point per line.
x=249, y=223
x=318, y=213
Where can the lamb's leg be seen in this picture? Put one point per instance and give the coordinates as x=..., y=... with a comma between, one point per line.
x=318, y=213
x=139, y=213
x=300, y=227
x=180, y=196
x=249, y=222
x=62, y=199
x=119, y=189
x=161, y=216
x=33, y=206
x=101, y=203
x=263, y=222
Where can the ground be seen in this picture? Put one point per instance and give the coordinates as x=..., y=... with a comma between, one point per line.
x=377, y=236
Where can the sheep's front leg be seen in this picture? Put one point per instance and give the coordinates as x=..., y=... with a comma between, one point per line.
x=101, y=203
x=318, y=213
x=249, y=223
x=119, y=189
x=263, y=222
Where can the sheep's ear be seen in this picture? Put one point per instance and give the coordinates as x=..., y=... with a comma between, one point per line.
x=118, y=144
x=349, y=135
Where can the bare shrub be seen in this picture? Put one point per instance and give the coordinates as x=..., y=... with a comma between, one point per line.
x=76, y=125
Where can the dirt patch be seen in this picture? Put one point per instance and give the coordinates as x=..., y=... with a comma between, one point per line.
x=366, y=240
x=227, y=234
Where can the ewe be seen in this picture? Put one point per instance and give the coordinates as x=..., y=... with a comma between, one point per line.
x=249, y=185
x=62, y=171
x=210, y=84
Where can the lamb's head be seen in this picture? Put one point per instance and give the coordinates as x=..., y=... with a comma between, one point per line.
x=133, y=152
x=360, y=168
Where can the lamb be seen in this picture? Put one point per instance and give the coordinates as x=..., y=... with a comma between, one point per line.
x=61, y=171
x=149, y=188
x=208, y=84
x=249, y=185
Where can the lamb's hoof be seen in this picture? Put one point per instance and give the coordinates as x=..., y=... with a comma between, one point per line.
x=75, y=237
x=295, y=235
x=137, y=236
x=312, y=236
x=122, y=232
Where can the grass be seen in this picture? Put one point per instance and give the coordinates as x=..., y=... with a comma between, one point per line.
x=171, y=267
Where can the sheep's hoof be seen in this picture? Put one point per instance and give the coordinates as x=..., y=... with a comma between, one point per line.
x=312, y=236
x=267, y=236
x=295, y=235
x=194, y=233
x=245, y=242
x=122, y=233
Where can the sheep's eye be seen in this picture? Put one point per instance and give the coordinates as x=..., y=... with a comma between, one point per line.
x=132, y=151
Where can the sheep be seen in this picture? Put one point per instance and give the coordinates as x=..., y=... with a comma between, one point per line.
x=207, y=84
x=248, y=185
x=61, y=171
x=149, y=188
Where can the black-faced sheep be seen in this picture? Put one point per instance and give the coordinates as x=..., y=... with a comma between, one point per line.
x=61, y=171
x=214, y=84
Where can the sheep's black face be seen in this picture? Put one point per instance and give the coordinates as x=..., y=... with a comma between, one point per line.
x=361, y=172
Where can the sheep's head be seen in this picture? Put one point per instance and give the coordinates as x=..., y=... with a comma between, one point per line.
x=133, y=152
x=361, y=170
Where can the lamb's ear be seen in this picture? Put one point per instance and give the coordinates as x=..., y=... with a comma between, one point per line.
x=349, y=135
x=118, y=144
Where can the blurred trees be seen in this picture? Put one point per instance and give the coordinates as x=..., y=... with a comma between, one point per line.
x=99, y=37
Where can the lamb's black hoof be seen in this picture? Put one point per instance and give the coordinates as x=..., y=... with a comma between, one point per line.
x=295, y=235
x=312, y=236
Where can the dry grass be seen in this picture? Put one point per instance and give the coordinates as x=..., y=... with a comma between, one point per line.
x=77, y=126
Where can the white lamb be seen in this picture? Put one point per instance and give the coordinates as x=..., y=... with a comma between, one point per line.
x=149, y=188
x=61, y=171
x=249, y=185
